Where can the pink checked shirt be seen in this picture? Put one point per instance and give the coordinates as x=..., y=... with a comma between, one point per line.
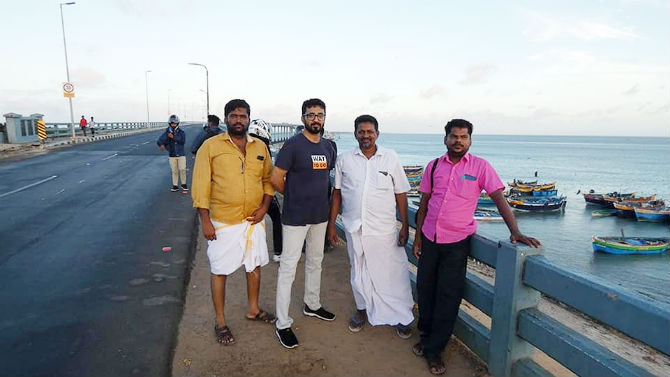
x=456, y=189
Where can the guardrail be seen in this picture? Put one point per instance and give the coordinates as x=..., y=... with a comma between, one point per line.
x=55, y=130
x=518, y=327
x=282, y=132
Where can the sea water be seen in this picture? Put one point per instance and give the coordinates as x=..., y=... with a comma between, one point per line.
x=576, y=164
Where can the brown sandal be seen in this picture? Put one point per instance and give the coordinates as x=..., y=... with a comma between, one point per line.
x=436, y=366
x=224, y=335
x=263, y=316
x=418, y=349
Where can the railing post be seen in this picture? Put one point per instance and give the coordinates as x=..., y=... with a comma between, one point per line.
x=510, y=297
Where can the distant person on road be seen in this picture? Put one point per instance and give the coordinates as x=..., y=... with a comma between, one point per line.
x=173, y=140
x=301, y=173
x=370, y=184
x=212, y=129
x=83, y=123
x=261, y=130
x=450, y=188
x=92, y=126
x=232, y=192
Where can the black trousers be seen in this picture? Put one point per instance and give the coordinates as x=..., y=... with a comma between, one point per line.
x=440, y=282
x=275, y=215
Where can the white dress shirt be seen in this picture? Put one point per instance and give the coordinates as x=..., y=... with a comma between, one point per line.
x=368, y=190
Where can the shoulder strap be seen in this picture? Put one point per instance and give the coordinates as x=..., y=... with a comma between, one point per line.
x=432, y=173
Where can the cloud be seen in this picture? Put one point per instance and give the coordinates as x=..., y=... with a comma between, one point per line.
x=632, y=90
x=87, y=78
x=311, y=63
x=434, y=91
x=476, y=74
x=543, y=27
x=380, y=98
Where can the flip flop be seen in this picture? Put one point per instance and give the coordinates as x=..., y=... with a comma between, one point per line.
x=263, y=316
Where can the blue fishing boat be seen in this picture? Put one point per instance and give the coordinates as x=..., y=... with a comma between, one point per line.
x=542, y=193
x=630, y=245
x=655, y=215
x=537, y=204
x=482, y=214
x=626, y=209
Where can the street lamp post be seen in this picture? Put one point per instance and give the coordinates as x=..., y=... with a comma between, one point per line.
x=67, y=67
x=207, y=76
x=146, y=87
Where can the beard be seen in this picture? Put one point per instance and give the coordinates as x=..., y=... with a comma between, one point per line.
x=234, y=131
x=314, y=128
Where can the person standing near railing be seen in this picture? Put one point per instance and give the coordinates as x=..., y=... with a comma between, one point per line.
x=82, y=124
x=450, y=189
x=173, y=140
x=370, y=184
x=92, y=125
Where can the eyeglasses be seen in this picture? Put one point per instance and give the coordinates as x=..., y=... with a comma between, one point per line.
x=311, y=116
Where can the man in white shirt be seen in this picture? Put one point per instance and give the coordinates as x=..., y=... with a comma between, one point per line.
x=370, y=184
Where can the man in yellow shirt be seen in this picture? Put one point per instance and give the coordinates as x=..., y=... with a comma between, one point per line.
x=232, y=192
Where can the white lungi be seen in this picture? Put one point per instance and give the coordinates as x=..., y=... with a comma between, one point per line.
x=380, y=278
x=237, y=245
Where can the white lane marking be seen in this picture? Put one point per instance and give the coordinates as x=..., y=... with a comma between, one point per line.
x=82, y=181
x=60, y=192
x=28, y=186
x=107, y=158
x=146, y=142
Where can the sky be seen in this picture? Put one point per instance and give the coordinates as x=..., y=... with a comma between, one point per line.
x=510, y=67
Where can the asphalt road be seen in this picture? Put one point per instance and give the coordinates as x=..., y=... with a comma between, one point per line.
x=86, y=289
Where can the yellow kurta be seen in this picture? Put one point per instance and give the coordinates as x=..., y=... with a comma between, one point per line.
x=228, y=183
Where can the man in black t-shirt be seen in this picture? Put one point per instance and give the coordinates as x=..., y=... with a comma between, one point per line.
x=301, y=173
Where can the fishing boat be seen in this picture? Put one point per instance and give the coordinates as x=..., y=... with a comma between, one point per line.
x=539, y=204
x=604, y=213
x=545, y=192
x=491, y=215
x=516, y=182
x=414, y=175
x=627, y=209
x=599, y=199
x=528, y=189
x=631, y=199
x=484, y=199
x=630, y=245
x=660, y=215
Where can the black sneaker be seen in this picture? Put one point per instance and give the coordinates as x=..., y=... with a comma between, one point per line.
x=320, y=313
x=287, y=337
x=174, y=189
x=184, y=187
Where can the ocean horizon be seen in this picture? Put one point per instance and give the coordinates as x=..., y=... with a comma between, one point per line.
x=577, y=164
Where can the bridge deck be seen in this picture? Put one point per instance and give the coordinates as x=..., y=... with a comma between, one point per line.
x=326, y=348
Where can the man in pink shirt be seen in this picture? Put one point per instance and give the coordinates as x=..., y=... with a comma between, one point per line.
x=445, y=224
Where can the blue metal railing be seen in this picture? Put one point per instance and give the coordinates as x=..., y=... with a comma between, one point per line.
x=55, y=130
x=518, y=327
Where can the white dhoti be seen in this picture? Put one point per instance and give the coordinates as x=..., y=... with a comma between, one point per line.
x=237, y=245
x=380, y=278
